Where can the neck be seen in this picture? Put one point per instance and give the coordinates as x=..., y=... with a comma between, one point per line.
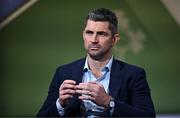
x=97, y=65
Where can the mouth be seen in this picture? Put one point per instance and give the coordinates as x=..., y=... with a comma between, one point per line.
x=95, y=47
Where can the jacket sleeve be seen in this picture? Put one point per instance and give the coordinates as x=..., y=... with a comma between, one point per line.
x=139, y=100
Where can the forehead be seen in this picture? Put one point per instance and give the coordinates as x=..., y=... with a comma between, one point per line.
x=97, y=25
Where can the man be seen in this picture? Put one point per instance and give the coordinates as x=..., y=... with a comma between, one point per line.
x=99, y=85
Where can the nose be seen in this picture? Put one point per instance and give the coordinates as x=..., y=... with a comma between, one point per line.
x=94, y=38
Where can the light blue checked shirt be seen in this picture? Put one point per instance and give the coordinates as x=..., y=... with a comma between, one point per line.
x=103, y=80
x=89, y=77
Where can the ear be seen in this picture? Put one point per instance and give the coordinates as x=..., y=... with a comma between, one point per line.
x=83, y=35
x=116, y=38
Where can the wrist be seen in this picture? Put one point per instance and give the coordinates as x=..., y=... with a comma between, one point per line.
x=109, y=104
x=61, y=103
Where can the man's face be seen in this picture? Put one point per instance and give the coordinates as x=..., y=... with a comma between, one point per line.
x=98, y=39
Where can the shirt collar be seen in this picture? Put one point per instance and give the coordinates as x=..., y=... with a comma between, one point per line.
x=108, y=65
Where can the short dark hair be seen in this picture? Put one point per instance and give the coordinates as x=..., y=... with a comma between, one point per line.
x=104, y=14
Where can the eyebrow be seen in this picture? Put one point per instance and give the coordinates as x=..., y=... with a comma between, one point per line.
x=98, y=32
x=88, y=31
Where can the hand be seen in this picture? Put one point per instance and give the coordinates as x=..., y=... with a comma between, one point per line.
x=66, y=91
x=93, y=91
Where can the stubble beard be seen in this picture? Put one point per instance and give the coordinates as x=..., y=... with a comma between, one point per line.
x=98, y=55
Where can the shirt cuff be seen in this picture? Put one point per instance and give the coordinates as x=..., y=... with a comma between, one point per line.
x=59, y=108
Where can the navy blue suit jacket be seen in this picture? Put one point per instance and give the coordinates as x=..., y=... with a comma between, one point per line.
x=128, y=85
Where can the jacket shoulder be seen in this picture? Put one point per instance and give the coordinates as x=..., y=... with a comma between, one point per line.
x=72, y=65
x=129, y=67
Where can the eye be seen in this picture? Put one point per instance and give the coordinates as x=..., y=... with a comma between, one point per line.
x=88, y=32
x=102, y=33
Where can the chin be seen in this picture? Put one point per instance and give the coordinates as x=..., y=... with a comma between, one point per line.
x=96, y=57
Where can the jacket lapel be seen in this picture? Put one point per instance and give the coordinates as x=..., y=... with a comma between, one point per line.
x=77, y=72
x=115, y=78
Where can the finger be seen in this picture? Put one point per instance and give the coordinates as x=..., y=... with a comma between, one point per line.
x=85, y=92
x=101, y=85
x=85, y=86
x=92, y=94
x=83, y=97
x=67, y=86
x=82, y=85
x=69, y=82
x=67, y=91
x=95, y=83
x=65, y=97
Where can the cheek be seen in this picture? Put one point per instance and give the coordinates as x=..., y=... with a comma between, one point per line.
x=107, y=43
x=86, y=43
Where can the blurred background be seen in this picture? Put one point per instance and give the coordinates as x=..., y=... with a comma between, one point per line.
x=37, y=36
